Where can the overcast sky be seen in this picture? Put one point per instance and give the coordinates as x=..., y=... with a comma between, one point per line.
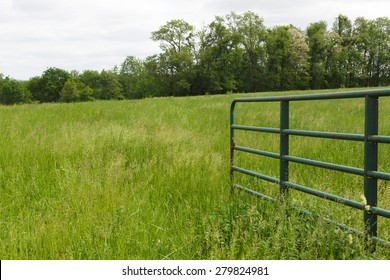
x=99, y=34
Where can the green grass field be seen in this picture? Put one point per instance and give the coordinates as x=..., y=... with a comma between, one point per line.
x=149, y=179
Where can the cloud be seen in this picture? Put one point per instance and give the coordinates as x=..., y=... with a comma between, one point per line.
x=97, y=34
x=302, y=12
x=32, y=6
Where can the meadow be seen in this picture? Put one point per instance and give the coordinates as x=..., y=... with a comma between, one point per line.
x=149, y=179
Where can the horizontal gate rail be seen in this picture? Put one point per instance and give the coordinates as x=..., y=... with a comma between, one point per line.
x=319, y=96
x=316, y=134
x=370, y=138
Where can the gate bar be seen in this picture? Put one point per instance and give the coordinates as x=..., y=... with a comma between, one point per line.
x=284, y=146
x=319, y=96
x=370, y=164
x=316, y=163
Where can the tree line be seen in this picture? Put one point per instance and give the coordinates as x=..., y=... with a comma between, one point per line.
x=234, y=53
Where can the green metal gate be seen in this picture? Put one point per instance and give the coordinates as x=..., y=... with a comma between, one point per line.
x=370, y=138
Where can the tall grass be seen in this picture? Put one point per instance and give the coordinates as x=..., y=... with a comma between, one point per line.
x=149, y=179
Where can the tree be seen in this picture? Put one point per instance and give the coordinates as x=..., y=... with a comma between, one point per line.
x=343, y=27
x=317, y=40
x=132, y=77
x=153, y=81
x=252, y=33
x=380, y=51
x=48, y=87
x=109, y=87
x=69, y=92
x=74, y=91
x=176, y=62
x=34, y=86
x=288, y=59
x=277, y=44
x=91, y=79
x=1, y=80
x=219, y=58
x=175, y=35
x=12, y=92
x=362, y=31
x=297, y=68
x=85, y=92
x=341, y=54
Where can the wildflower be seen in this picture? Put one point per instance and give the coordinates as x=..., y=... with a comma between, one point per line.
x=350, y=239
x=364, y=199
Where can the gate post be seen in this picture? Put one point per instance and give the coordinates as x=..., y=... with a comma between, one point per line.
x=284, y=146
x=370, y=164
x=232, y=144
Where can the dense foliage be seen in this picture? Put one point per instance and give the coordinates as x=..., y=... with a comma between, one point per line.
x=234, y=53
